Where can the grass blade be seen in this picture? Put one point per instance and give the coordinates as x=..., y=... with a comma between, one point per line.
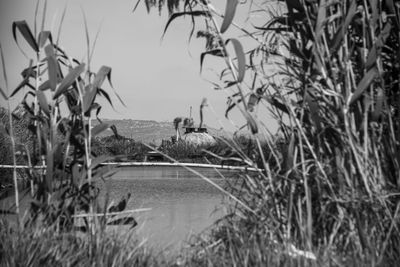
x=230, y=11
x=215, y=52
x=376, y=49
x=364, y=84
x=320, y=19
x=69, y=80
x=24, y=29
x=61, y=23
x=43, y=102
x=95, y=41
x=52, y=66
x=251, y=122
x=339, y=36
x=240, y=58
x=87, y=39
x=99, y=128
x=88, y=97
x=104, y=72
x=196, y=13
x=136, y=5
x=35, y=20
x=43, y=36
x=3, y=94
x=44, y=15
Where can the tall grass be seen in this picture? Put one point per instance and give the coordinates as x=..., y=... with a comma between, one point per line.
x=49, y=247
x=328, y=72
x=328, y=196
x=58, y=106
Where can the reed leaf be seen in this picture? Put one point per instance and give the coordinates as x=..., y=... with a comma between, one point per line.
x=214, y=52
x=43, y=37
x=251, y=122
x=88, y=97
x=52, y=67
x=375, y=51
x=104, y=72
x=99, y=128
x=25, y=82
x=24, y=29
x=241, y=59
x=364, y=84
x=69, y=80
x=194, y=13
x=341, y=32
x=230, y=11
x=3, y=94
x=61, y=23
x=321, y=18
x=43, y=102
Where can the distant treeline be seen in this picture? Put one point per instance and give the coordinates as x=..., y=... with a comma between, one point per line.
x=223, y=152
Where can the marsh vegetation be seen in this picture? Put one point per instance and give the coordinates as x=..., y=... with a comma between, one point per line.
x=327, y=193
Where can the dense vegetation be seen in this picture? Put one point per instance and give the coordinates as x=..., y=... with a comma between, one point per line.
x=224, y=151
x=327, y=71
x=53, y=123
x=23, y=136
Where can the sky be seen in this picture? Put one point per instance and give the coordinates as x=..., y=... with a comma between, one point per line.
x=157, y=79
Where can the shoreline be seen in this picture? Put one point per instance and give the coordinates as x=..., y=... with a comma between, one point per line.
x=154, y=164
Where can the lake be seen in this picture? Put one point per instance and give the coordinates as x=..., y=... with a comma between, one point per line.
x=182, y=203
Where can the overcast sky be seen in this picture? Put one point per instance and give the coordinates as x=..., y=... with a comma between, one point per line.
x=158, y=80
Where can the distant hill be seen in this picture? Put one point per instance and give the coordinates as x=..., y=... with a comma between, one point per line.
x=148, y=131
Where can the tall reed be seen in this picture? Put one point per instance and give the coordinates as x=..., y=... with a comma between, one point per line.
x=59, y=104
x=328, y=72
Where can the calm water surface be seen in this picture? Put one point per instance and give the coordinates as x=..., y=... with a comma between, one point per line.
x=182, y=203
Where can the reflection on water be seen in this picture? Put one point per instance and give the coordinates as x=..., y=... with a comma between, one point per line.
x=181, y=202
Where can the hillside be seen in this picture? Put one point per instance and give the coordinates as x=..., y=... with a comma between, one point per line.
x=148, y=131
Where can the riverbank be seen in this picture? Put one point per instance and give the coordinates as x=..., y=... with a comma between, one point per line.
x=164, y=164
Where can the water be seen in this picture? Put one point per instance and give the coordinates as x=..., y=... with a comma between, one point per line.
x=182, y=203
